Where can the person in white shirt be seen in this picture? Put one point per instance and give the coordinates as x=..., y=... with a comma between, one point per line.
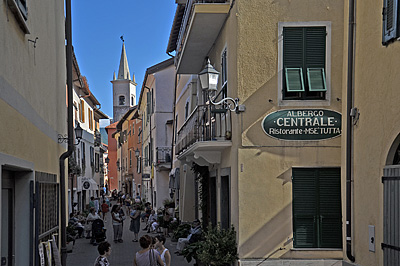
x=117, y=219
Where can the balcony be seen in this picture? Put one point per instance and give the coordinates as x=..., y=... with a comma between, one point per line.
x=205, y=134
x=201, y=23
x=163, y=157
x=97, y=138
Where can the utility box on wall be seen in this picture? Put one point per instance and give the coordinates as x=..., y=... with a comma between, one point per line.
x=371, y=238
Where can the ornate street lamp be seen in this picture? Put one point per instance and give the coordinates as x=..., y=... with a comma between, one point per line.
x=78, y=135
x=209, y=81
x=137, y=152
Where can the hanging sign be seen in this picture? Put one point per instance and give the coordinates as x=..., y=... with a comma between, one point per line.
x=303, y=124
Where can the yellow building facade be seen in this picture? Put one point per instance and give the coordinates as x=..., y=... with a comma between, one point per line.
x=374, y=132
x=32, y=114
x=283, y=60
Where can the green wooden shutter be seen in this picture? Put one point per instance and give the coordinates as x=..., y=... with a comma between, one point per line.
x=330, y=208
x=293, y=53
x=305, y=48
x=317, y=215
x=390, y=14
x=304, y=207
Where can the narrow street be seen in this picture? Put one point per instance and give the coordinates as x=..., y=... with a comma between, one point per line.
x=84, y=253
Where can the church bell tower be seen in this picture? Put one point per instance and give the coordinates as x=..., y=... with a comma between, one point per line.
x=124, y=89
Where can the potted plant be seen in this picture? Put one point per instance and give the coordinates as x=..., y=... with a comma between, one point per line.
x=219, y=246
x=183, y=230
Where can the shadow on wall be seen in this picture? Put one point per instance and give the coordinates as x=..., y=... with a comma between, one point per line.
x=261, y=102
x=286, y=176
x=274, y=234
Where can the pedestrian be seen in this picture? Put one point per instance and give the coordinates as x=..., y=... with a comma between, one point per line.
x=104, y=249
x=96, y=204
x=91, y=202
x=135, y=222
x=146, y=256
x=117, y=223
x=166, y=222
x=104, y=209
x=89, y=220
x=164, y=252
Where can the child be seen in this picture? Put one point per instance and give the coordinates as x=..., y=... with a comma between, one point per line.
x=104, y=250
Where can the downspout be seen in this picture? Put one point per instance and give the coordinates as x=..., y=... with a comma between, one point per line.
x=349, y=128
x=173, y=125
x=66, y=154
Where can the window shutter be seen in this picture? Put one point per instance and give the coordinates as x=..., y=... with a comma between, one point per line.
x=148, y=105
x=390, y=12
x=316, y=79
x=304, y=208
x=294, y=79
x=317, y=214
x=330, y=210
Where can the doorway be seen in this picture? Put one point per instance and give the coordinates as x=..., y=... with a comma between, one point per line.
x=7, y=219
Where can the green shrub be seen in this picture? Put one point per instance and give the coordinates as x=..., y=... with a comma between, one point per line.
x=218, y=247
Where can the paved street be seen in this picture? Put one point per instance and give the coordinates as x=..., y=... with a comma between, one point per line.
x=122, y=254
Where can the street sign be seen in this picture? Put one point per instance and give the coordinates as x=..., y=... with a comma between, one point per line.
x=303, y=124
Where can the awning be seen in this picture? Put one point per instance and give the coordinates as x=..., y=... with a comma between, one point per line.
x=174, y=179
x=86, y=183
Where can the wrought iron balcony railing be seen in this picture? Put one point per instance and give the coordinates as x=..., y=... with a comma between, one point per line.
x=97, y=138
x=206, y=123
x=163, y=155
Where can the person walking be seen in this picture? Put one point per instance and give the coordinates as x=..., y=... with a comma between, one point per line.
x=164, y=252
x=89, y=220
x=104, y=249
x=147, y=256
x=104, y=209
x=117, y=223
x=135, y=221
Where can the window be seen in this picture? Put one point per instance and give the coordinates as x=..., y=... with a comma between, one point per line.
x=96, y=163
x=304, y=63
x=90, y=114
x=132, y=100
x=20, y=10
x=130, y=159
x=121, y=100
x=317, y=214
x=224, y=74
x=47, y=197
x=187, y=109
x=82, y=111
x=91, y=149
x=390, y=21
x=304, y=53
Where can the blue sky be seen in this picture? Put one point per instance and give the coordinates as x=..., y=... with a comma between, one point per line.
x=96, y=30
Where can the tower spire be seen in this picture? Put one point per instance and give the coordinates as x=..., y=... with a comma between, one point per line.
x=123, y=72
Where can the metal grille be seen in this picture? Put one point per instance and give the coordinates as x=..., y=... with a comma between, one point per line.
x=47, y=196
x=391, y=215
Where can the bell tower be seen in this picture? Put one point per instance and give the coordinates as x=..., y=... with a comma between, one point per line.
x=124, y=88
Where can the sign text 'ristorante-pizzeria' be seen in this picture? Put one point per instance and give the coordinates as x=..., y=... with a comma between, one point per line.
x=303, y=124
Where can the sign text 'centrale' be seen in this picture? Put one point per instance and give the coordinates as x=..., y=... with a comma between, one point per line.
x=303, y=124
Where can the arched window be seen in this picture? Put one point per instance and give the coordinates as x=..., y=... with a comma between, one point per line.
x=121, y=100
x=132, y=100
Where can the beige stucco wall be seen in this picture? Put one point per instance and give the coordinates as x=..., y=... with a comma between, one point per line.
x=261, y=191
x=376, y=96
x=32, y=103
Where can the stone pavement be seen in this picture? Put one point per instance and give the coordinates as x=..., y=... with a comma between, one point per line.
x=84, y=254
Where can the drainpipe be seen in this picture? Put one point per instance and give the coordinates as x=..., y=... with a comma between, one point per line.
x=349, y=128
x=66, y=154
x=173, y=125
